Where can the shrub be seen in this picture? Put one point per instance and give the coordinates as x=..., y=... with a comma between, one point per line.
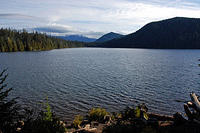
x=139, y=112
x=130, y=120
x=97, y=114
x=77, y=121
x=47, y=113
x=39, y=125
x=45, y=122
x=128, y=113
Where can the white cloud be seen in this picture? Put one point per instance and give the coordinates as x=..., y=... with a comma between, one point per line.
x=122, y=15
x=100, y=16
x=62, y=30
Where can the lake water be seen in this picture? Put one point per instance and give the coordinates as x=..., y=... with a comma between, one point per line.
x=78, y=79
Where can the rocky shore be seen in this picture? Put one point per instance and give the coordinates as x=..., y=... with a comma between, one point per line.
x=139, y=120
x=132, y=119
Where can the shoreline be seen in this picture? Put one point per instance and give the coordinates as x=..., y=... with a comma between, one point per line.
x=139, y=119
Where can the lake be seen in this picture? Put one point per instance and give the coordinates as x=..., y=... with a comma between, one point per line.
x=75, y=80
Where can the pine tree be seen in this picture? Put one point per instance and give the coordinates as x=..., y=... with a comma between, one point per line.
x=10, y=44
x=8, y=108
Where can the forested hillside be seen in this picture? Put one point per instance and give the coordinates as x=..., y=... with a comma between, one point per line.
x=175, y=33
x=13, y=40
x=108, y=37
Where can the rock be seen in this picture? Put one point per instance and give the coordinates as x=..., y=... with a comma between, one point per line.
x=85, y=122
x=107, y=118
x=94, y=123
x=87, y=126
x=69, y=125
x=87, y=129
x=62, y=123
x=92, y=130
x=165, y=123
x=18, y=129
x=22, y=123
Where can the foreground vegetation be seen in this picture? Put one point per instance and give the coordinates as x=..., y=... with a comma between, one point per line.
x=12, y=41
x=15, y=119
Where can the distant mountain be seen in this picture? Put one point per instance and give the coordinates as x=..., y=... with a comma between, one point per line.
x=175, y=33
x=108, y=37
x=79, y=38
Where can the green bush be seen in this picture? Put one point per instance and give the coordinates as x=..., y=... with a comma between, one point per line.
x=47, y=113
x=97, y=114
x=39, y=125
x=77, y=121
x=131, y=120
x=127, y=114
x=139, y=112
x=45, y=122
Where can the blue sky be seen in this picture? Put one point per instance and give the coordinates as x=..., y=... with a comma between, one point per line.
x=91, y=18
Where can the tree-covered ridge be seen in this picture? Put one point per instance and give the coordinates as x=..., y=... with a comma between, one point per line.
x=175, y=33
x=108, y=37
x=13, y=40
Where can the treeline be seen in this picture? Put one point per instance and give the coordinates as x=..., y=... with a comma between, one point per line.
x=13, y=40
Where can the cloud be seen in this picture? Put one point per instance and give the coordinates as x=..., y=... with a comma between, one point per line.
x=52, y=29
x=93, y=34
x=16, y=16
x=122, y=15
x=47, y=26
x=19, y=21
x=92, y=17
x=62, y=30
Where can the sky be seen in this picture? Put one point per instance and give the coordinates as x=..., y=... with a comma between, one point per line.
x=91, y=18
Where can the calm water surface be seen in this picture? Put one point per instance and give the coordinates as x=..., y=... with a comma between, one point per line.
x=76, y=80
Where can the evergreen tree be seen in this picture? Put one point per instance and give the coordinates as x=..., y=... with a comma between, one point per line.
x=8, y=108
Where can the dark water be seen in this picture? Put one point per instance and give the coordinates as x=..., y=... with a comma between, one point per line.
x=76, y=80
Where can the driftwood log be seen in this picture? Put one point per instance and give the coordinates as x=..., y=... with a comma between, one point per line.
x=161, y=117
x=192, y=109
x=195, y=101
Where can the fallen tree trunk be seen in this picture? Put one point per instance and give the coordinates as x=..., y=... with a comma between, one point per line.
x=161, y=117
x=195, y=101
x=188, y=112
